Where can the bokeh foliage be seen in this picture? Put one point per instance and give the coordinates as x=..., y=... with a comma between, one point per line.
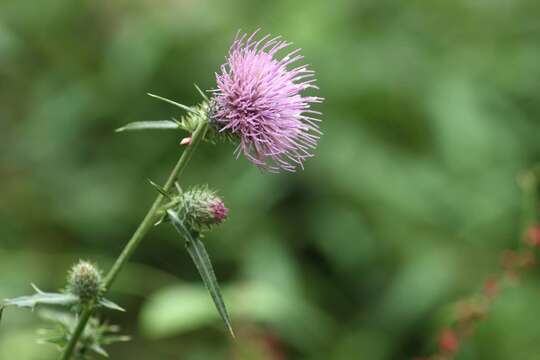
x=431, y=111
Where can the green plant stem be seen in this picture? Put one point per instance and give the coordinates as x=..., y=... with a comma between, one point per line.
x=81, y=324
x=143, y=228
x=528, y=182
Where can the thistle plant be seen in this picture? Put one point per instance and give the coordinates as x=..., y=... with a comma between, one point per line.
x=259, y=104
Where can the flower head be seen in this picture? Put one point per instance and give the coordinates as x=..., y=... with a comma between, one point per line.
x=84, y=280
x=259, y=100
x=201, y=208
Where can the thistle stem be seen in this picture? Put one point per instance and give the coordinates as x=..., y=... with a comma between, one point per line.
x=143, y=228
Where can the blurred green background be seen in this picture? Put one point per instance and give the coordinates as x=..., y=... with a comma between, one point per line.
x=431, y=111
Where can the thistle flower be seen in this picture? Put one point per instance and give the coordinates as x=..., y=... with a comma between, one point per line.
x=84, y=280
x=201, y=208
x=259, y=100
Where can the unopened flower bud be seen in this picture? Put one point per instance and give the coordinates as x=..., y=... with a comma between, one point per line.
x=201, y=208
x=448, y=342
x=84, y=280
x=532, y=237
x=185, y=141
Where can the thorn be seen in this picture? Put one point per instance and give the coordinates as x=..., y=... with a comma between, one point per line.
x=36, y=289
x=201, y=92
x=160, y=221
x=177, y=185
x=232, y=332
x=182, y=106
x=161, y=190
x=186, y=141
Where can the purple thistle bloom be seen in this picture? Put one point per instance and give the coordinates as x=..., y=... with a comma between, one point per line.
x=219, y=211
x=259, y=100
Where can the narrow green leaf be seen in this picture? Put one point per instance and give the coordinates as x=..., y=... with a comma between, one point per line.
x=179, y=225
x=99, y=350
x=160, y=189
x=199, y=255
x=150, y=125
x=201, y=92
x=181, y=106
x=59, y=317
x=112, y=339
x=110, y=305
x=59, y=340
x=42, y=298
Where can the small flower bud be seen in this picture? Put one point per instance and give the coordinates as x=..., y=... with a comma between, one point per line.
x=448, y=342
x=491, y=288
x=200, y=207
x=84, y=280
x=532, y=237
x=185, y=141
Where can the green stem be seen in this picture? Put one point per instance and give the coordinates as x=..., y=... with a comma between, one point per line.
x=529, y=187
x=144, y=227
x=83, y=319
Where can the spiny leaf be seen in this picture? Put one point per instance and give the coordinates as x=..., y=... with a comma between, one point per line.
x=99, y=350
x=42, y=298
x=201, y=92
x=181, y=106
x=95, y=336
x=58, y=340
x=62, y=319
x=150, y=125
x=199, y=255
x=179, y=225
x=160, y=189
x=110, y=305
x=111, y=339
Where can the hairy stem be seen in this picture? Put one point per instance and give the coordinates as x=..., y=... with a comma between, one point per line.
x=143, y=228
